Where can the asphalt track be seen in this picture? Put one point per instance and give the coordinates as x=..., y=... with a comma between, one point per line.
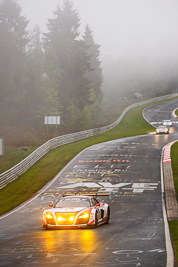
x=129, y=171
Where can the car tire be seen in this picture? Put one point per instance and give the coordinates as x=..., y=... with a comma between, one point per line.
x=108, y=215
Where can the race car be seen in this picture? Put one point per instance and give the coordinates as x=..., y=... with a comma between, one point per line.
x=162, y=129
x=167, y=123
x=76, y=211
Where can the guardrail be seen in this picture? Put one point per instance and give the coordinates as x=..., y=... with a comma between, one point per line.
x=13, y=173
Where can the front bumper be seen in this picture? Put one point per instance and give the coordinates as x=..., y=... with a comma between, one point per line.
x=162, y=132
x=63, y=226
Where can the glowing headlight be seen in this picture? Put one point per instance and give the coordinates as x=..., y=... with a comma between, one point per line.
x=59, y=219
x=49, y=215
x=71, y=219
x=84, y=216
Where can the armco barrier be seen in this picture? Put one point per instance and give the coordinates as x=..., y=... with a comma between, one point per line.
x=13, y=173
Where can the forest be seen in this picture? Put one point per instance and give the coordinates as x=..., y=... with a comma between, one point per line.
x=56, y=73
x=59, y=73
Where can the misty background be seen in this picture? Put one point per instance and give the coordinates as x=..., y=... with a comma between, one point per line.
x=130, y=28
x=138, y=41
x=109, y=54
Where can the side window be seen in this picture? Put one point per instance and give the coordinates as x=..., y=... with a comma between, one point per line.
x=94, y=201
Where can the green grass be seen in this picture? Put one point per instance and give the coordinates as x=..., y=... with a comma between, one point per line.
x=174, y=224
x=13, y=156
x=174, y=234
x=174, y=157
x=176, y=112
x=47, y=167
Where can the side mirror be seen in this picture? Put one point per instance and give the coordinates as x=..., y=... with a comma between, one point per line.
x=51, y=205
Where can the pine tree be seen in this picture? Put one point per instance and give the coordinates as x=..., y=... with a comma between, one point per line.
x=94, y=74
x=52, y=81
x=12, y=61
x=63, y=36
x=35, y=95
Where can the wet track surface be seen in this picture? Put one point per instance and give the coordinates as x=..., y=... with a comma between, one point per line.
x=128, y=170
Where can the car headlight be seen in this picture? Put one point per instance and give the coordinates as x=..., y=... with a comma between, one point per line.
x=59, y=218
x=50, y=218
x=64, y=218
x=84, y=215
x=49, y=215
x=71, y=218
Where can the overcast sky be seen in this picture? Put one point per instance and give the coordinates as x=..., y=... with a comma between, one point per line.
x=121, y=27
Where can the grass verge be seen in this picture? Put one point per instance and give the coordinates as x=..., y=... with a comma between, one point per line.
x=13, y=156
x=174, y=224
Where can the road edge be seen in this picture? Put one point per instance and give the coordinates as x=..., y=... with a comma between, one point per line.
x=167, y=187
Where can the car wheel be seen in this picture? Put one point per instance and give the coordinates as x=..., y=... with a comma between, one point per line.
x=108, y=215
x=96, y=220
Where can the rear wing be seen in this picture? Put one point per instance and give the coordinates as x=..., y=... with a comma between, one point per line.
x=82, y=194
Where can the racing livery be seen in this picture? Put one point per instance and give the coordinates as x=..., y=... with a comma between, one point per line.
x=76, y=211
x=162, y=129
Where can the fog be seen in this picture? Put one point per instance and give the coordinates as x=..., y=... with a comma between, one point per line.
x=137, y=37
x=121, y=27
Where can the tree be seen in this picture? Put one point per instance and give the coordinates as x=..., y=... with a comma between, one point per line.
x=13, y=41
x=35, y=95
x=94, y=74
x=63, y=36
x=81, y=85
x=52, y=82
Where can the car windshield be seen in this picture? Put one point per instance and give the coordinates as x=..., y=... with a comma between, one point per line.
x=160, y=127
x=73, y=202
